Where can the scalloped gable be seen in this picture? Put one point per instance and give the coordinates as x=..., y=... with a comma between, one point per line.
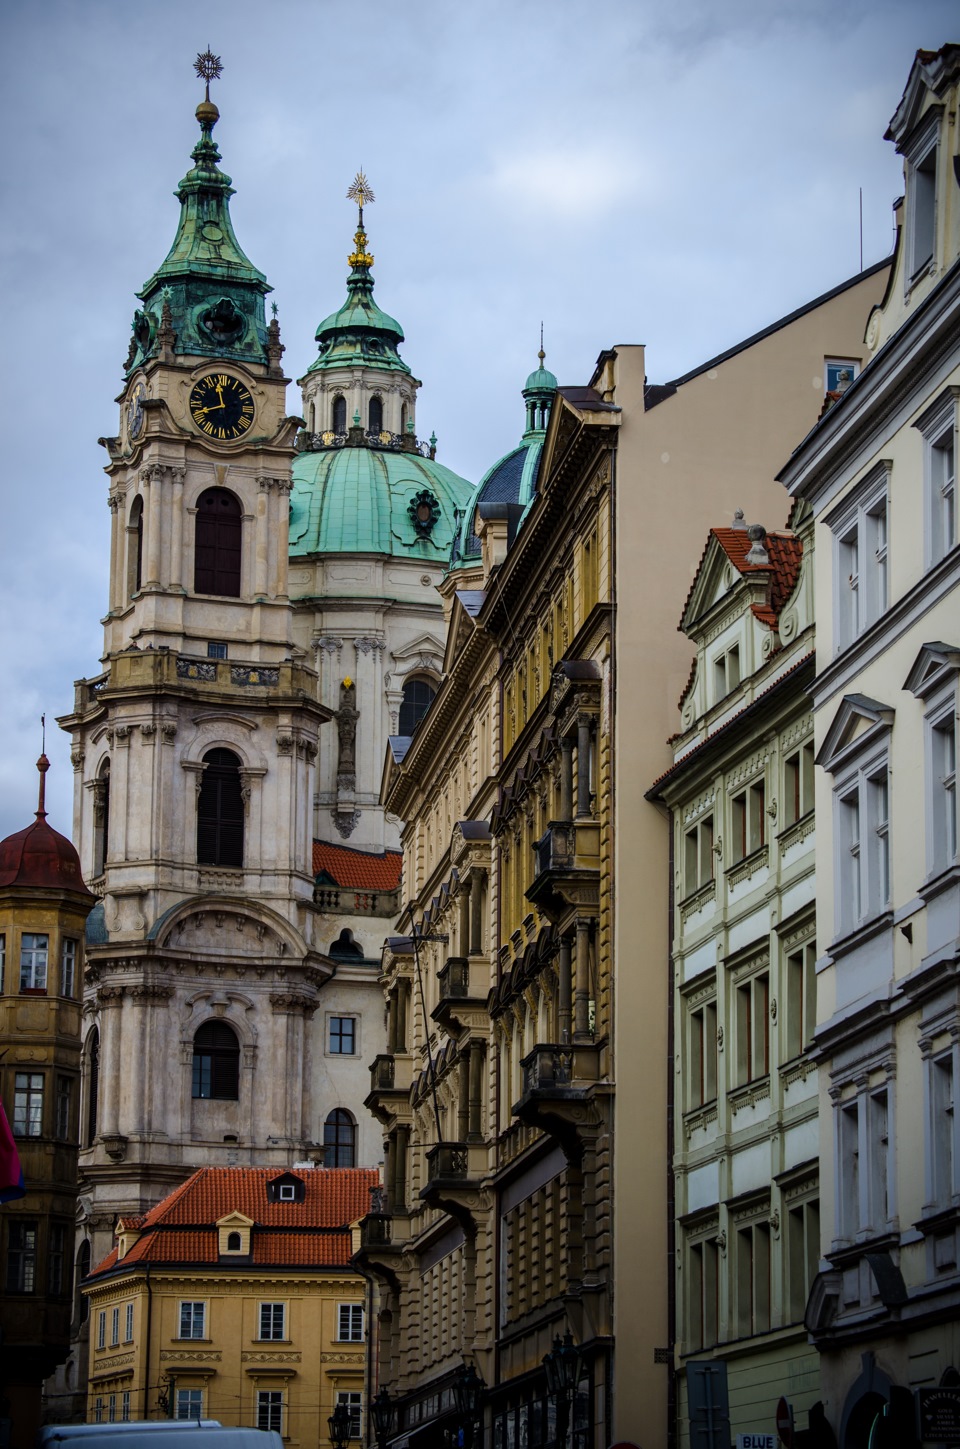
x=858, y=721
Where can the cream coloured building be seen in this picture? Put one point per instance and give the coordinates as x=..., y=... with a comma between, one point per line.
x=879, y=473
x=744, y=1097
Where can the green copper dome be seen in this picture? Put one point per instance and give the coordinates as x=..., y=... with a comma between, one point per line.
x=374, y=500
x=359, y=334
x=542, y=380
x=206, y=297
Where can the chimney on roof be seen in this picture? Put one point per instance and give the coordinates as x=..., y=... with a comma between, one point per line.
x=757, y=554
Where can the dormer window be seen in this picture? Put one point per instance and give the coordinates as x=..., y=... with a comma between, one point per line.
x=287, y=1192
x=726, y=672
x=234, y=1235
x=288, y=1187
x=234, y=1243
x=921, y=191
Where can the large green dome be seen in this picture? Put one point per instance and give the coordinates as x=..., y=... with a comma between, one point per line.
x=374, y=500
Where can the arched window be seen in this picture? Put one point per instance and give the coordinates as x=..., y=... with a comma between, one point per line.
x=339, y=414
x=339, y=1139
x=135, y=546
x=93, y=1085
x=216, y=566
x=376, y=415
x=101, y=819
x=234, y=1242
x=346, y=946
x=216, y=1062
x=403, y=418
x=83, y=1269
x=220, y=810
x=417, y=697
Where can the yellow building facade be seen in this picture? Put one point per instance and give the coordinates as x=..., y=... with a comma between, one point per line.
x=234, y=1300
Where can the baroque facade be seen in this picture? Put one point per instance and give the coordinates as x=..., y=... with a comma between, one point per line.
x=879, y=473
x=745, y=1141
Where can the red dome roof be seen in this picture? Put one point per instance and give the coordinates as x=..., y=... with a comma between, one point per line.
x=38, y=856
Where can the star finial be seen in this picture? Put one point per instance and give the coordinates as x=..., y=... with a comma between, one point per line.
x=208, y=67
x=361, y=192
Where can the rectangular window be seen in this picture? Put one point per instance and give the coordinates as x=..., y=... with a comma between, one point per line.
x=698, y=855
x=112, y=1409
x=192, y=1316
x=216, y=650
x=128, y=1333
x=803, y=1254
x=798, y=784
x=189, y=1404
x=21, y=1256
x=102, y=1328
x=68, y=966
x=703, y=1054
x=125, y=1406
x=28, y=1104
x=943, y=762
x=33, y=962
x=801, y=984
x=270, y=1410
x=354, y=1403
x=64, y=1107
x=878, y=1148
x=753, y=1279
x=753, y=1028
x=273, y=1320
x=848, y=1217
x=3, y=962
x=860, y=559
x=921, y=204
x=704, y=1290
x=343, y=1035
x=55, y=1260
x=942, y=468
x=98, y=1410
x=726, y=672
x=839, y=372
x=114, y=1327
x=863, y=856
x=350, y=1322
x=941, y=1121
x=748, y=819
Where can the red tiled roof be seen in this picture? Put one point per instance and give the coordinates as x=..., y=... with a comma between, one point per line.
x=784, y=551
x=181, y=1228
x=358, y=869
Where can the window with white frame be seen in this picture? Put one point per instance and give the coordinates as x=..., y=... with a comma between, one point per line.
x=921, y=197
x=111, y=1408
x=189, y=1404
x=698, y=856
x=350, y=1322
x=114, y=1326
x=863, y=1144
x=354, y=1403
x=801, y=1003
x=192, y=1319
x=748, y=820
x=839, y=372
x=33, y=961
x=942, y=1129
x=942, y=746
x=98, y=1409
x=726, y=672
x=102, y=1328
x=128, y=1334
x=270, y=1410
x=860, y=527
x=28, y=1104
x=863, y=845
x=938, y=428
x=68, y=966
x=273, y=1320
x=125, y=1406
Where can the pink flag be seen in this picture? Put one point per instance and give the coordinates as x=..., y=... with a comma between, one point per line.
x=11, y=1173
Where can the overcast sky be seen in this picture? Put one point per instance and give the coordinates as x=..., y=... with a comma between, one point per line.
x=678, y=174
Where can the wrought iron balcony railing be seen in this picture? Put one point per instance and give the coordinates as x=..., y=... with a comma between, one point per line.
x=454, y=979
x=547, y=1067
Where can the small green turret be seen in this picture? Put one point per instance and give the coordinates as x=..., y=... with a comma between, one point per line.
x=207, y=296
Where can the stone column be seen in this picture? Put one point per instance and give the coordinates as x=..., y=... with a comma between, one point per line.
x=566, y=779
x=476, y=922
x=177, y=476
x=463, y=903
x=262, y=538
x=581, y=1000
x=110, y=1002
x=116, y=554
x=463, y=1096
x=282, y=535
x=584, y=723
x=564, y=995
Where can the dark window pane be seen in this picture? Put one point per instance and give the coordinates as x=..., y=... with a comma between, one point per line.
x=217, y=544
x=339, y=1140
x=417, y=697
x=220, y=811
x=376, y=415
x=216, y=1062
x=339, y=415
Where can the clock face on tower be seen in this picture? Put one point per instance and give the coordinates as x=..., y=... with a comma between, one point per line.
x=221, y=406
x=135, y=410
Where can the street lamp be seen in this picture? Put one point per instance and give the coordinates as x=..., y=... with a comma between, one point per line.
x=468, y=1390
x=562, y=1368
x=339, y=1426
x=382, y=1412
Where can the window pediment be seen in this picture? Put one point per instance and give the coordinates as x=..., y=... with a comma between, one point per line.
x=859, y=723
x=932, y=668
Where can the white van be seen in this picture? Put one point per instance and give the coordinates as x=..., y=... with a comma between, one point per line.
x=159, y=1434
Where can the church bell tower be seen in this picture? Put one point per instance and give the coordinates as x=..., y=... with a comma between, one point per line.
x=194, y=747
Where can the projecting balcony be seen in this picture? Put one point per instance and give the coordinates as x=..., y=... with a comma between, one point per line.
x=390, y=1079
x=453, y=1180
x=463, y=994
x=567, y=868
x=454, y=979
x=379, y=1252
x=560, y=1086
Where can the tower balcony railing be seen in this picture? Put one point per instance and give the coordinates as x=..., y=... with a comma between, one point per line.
x=386, y=441
x=166, y=668
x=337, y=901
x=375, y=1231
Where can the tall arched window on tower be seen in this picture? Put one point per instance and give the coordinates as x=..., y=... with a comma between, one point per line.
x=220, y=810
x=135, y=546
x=403, y=418
x=83, y=1268
x=216, y=1062
x=93, y=1086
x=339, y=1139
x=216, y=568
x=376, y=415
x=417, y=697
x=339, y=414
x=101, y=819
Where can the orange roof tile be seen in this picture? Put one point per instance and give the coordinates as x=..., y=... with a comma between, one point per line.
x=358, y=869
x=313, y=1233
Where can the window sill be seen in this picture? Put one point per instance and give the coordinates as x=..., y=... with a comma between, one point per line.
x=796, y=831
x=941, y=880
x=33, y=991
x=866, y=931
x=747, y=865
x=697, y=899
x=747, y=1094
